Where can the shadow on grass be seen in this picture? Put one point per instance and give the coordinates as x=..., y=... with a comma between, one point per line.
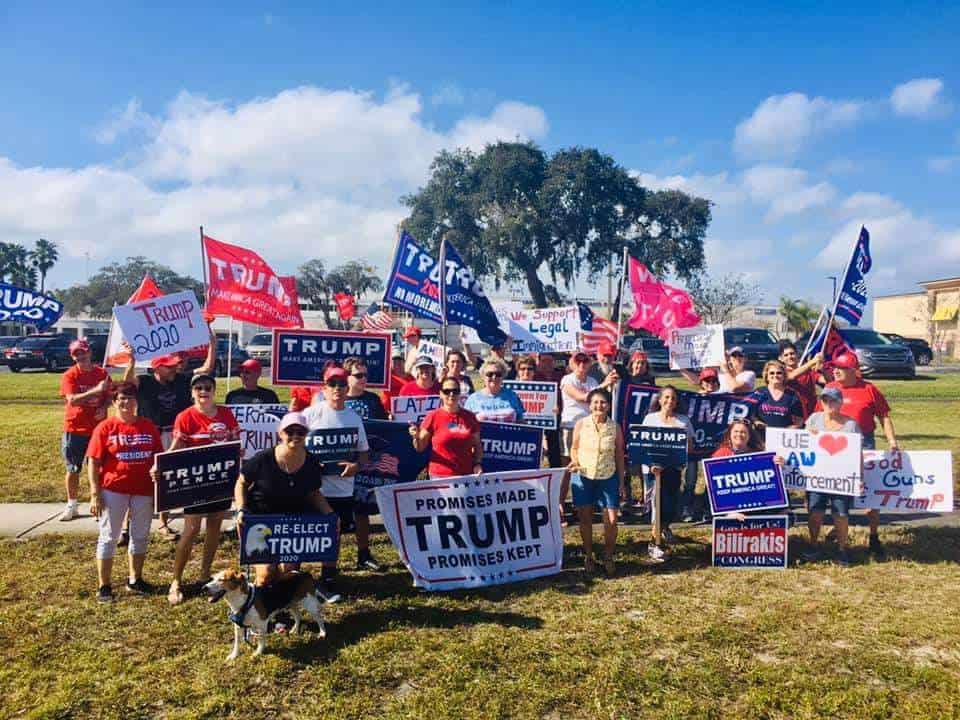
x=920, y=436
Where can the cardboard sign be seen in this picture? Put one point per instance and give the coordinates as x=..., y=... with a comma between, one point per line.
x=697, y=347
x=162, y=325
x=304, y=537
x=666, y=447
x=759, y=542
x=539, y=402
x=477, y=530
x=300, y=356
x=258, y=426
x=434, y=351
x=825, y=462
x=331, y=446
x=508, y=446
x=918, y=481
x=743, y=483
x=710, y=415
x=413, y=409
x=392, y=459
x=195, y=476
x=540, y=329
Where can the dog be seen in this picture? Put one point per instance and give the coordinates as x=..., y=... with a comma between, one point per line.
x=254, y=607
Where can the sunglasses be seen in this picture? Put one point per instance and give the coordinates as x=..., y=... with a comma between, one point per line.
x=203, y=388
x=739, y=355
x=526, y=368
x=775, y=373
x=359, y=376
x=450, y=391
x=492, y=376
x=296, y=431
x=336, y=384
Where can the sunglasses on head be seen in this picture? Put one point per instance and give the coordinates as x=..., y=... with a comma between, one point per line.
x=450, y=391
x=336, y=384
x=493, y=375
x=296, y=431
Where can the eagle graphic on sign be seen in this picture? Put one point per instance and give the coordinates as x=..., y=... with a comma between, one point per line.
x=257, y=540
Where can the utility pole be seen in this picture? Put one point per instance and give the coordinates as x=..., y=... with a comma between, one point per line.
x=834, y=278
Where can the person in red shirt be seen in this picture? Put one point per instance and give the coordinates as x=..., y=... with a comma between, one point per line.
x=864, y=402
x=801, y=379
x=84, y=387
x=301, y=396
x=398, y=378
x=204, y=423
x=453, y=435
x=425, y=382
x=121, y=454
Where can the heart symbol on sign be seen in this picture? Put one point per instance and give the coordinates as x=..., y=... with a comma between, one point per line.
x=833, y=443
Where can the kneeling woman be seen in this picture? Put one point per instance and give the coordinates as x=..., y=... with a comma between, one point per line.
x=121, y=454
x=282, y=479
x=596, y=455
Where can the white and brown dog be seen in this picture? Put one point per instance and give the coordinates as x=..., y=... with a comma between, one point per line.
x=254, y=607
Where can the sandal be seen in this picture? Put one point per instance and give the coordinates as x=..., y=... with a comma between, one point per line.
x=168, y=533
x=175, y=594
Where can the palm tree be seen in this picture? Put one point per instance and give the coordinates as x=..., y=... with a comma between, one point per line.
x=798, y=315
x=15, y=266
x=44, y=256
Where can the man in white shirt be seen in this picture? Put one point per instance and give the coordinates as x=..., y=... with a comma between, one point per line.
x=330, y=412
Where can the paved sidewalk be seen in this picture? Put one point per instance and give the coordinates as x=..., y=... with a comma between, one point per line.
x=28, y=520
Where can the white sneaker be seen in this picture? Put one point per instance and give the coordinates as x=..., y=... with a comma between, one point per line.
x=656, y=553
x=69, y=512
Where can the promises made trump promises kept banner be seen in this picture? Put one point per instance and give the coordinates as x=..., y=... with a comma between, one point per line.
x=476, y=530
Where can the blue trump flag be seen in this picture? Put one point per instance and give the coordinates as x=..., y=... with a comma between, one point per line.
x=414, y=284
x=852, y=300
x=391, y=460
x=25, y=306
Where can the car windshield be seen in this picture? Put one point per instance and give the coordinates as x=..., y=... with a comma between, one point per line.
x=748, y=336
x=8, y=342
x=864, y=337
x=652, y=343
x=261, y=339
x=34, y=343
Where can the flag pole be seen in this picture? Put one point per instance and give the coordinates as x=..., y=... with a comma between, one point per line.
x=833, y=309
x=443, y=291
x=623, y=279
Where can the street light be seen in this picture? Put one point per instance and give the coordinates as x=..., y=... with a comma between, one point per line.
x=834, y=278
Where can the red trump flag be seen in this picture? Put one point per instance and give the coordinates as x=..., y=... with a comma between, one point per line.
x=241, y=285
x=659, y=307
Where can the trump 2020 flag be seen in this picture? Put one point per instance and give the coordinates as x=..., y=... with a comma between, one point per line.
x=21, y=305
x=414, y=284
x=852, y=300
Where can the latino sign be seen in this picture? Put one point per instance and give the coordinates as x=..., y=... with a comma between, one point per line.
x=258, y=426
x=301, y=356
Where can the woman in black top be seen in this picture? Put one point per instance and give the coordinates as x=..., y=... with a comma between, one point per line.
x=364, y=403
x=283, y=479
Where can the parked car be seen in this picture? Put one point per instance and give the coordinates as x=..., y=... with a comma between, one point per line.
x=50, y=351
x=260, y=348
x=656, y=351
x=922, y=352
x=759, y=345
x=878, y=355
x=6, y=343
x=237, y=356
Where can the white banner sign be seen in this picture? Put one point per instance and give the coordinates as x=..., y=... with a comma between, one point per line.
x=162, y=325
x=540, y=329
x=697, y=347
x=476, y=530
x=413, y=409
x=907, y=482
x=258, y=426
x=825, y=462
x=434, y=351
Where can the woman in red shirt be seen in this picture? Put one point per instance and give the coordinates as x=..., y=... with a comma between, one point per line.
x=120, y=456
x=452, y=433
x=204, y=423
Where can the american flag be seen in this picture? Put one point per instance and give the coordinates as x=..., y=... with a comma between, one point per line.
x=376, y=319
x=386, y=464
x=595, y=330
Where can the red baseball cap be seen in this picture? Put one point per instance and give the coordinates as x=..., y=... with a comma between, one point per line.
x=412, y=331
x=708, y=374
x=165, y=361
x=334, y=373
x=847, y=360
x=79, y=346
x=251, y=364
x=606, y=348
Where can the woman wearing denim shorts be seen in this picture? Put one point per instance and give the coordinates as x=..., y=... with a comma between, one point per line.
x=597, y=458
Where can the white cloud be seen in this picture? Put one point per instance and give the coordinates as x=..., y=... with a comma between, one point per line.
x=918, y=98
x=124, y=120
x=308, y=172
x=719, y=188
x=785, y=190
x=944, y=163
x=782, y=124
x=842, y=166
x=448, y=94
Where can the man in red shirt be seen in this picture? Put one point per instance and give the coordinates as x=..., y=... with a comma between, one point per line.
x=802, y=379
x=84, y=387
x=863, y=402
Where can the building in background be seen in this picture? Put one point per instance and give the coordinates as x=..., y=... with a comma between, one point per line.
x=931, y=314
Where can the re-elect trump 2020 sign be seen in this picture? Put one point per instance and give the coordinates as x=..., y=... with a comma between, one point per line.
x=198, y=475
x=304, y=537
x=300, y=356
x=476, y=530
x=758, y=542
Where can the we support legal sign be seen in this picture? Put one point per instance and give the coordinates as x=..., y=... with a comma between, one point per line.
x=666, y=447
x=304, y=537
x=476, y=530
x=162, y=325
x=828, y=462
x=747, y=482
x=301, y=356
x=919, y=481
x=507, y=446
x=258, y=426
x=195, y=476
x=539, y=401
x=758, y=542
x=540, y=329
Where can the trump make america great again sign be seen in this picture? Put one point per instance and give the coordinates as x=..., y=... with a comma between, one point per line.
x=301, y=356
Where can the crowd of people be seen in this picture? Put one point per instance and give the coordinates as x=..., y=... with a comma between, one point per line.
x=172, y=407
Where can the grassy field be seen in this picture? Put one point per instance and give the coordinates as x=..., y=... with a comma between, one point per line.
x=877, y=640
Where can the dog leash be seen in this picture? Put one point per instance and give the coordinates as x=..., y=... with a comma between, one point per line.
x=237, y=617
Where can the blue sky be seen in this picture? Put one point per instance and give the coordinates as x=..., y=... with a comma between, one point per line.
x=294, y=129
